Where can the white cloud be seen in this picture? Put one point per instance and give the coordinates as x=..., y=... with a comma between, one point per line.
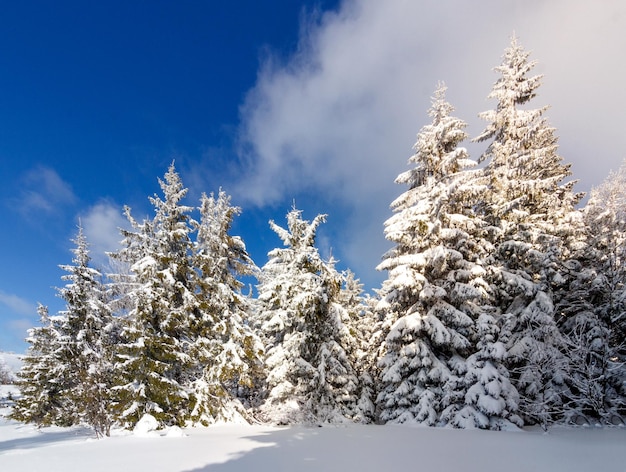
x=101, y=224
x=16, y=304
x=44, y=191
x=341, y=116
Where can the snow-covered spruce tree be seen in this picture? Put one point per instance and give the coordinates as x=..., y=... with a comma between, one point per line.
x=67, y=374
x=228, y=355
x=536, y=357
x=594, y=306
x=435, y=289
x=153, y=363
x=84, y=354
x=310, y=375
x=531, y=211
x=490, y=400
x=41, y=401
x=358, y=327
x=524, y=171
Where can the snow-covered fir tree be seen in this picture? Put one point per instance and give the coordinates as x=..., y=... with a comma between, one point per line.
x=435, y=289
x=311, y=378
x=66, y=378
x=358, y=318
x=593, y=309
x=41, y=401
x=490, y=400
x=84, y=355
x=536, y=357
x=525, y=173
x=227, y=353
x=530, y=210
x=153, y=362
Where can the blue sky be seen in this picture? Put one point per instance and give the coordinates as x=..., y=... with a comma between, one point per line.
x=313, y=101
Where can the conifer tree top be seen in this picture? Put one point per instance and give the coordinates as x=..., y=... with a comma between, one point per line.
x=436, y=153
x=300, y=233
x=514, y=87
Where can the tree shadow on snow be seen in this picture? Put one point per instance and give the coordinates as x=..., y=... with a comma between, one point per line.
x=369, y=448
x=305, y=449
x=45, y=437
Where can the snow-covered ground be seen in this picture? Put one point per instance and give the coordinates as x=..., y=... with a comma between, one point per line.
x=227, y=448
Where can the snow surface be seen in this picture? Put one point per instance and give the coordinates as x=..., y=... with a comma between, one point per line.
x=230, y=448
x=224, y=448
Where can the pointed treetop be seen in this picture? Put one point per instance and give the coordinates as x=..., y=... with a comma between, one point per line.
x=437, y=151
x=440, y=108
x=81, y=248
x=515, y=87
x=300, y=233
x=172, y=186
x=217, y=211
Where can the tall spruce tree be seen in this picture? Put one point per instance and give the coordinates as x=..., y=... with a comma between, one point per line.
x=85, y=347
x=435, y=289
x=66, y=378
x=228, y=355
x=357, y=318
x=525, y=174
x=41, y=401
x=310, y=375
x=592, y=309
x=153, y=361
x=530, y=210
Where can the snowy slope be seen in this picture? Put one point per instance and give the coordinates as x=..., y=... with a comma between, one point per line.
x=352, y=448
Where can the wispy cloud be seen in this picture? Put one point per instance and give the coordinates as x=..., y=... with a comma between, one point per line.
x=340, y=117
x=16, y=304
x=43, y=191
